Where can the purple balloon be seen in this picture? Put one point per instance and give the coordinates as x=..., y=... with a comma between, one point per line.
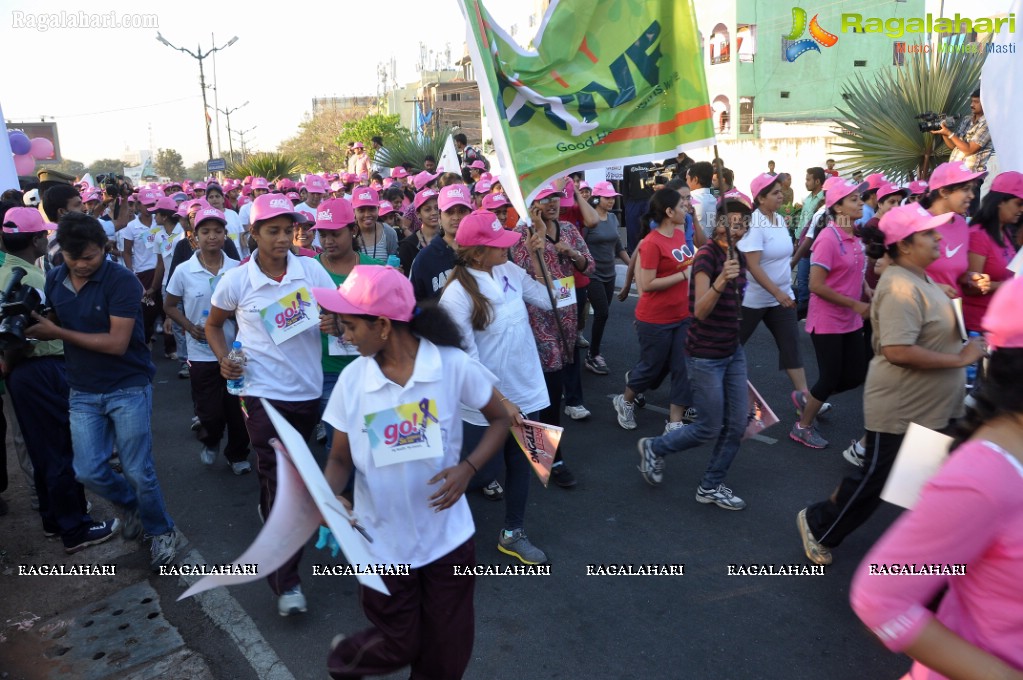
x=20, y=143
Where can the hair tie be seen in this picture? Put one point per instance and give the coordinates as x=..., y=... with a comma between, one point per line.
x=416, y=311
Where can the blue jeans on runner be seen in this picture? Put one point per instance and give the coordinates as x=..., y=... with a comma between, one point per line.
x=720, y=398
x=329, y=381
x=517, y=472
x=803, y=282
x=121, y=417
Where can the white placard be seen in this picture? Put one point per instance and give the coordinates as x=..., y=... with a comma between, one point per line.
x=957, y=307
x=922, y=454
x=614, y=172
x=1016, y=266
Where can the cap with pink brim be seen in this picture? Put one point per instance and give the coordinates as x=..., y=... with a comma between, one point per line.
x=903, y=221
x=1002, y=323
x=334, y=214
x=370, y=290
x=483, y=228
x=269, y=206
x=948, y=174
x=23, y=221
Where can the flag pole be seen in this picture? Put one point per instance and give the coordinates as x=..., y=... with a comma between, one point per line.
x=569, y=357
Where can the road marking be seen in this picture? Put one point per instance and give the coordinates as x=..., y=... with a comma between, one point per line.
x=666, y=412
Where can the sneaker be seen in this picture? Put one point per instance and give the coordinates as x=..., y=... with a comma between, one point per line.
x=196, y=424
x=815, y=552
x=721, y=497
x=690, y=416
x=562, y=476
x=640, y=400
x=577, y=412
x=596, y=364
x=855, y=454
x=625, y=411
x=320, y=433
x=173, y=356
x=651, y=466
x=807, y=436
x=132, y=526
x=183, y=372
x=208, y=455
x=581, y=342
x=291, y=601
x=165, y=549
x=97, y=533
x=493, y=491
x=242, y=467
x=826, y=408
x=669, y=426
x=50, y=532
x=518, y=546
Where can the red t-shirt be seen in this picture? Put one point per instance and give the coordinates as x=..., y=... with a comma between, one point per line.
x=667, y=255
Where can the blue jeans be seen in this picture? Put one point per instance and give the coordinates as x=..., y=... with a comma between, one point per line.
x=803, y=282
x=121, y=417
x=517, y=472
x=329, y=381
x=720, y=396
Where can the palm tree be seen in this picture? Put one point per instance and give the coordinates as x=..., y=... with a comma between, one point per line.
x=879, y=126
x=271, y=165
x=409, y=148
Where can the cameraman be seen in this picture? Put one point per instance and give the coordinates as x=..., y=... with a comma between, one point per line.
x=97, y=313
x=37, y=383
x=971, y=141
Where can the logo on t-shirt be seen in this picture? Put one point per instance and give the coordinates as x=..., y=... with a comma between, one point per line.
x=684, y=254
x=951, y=252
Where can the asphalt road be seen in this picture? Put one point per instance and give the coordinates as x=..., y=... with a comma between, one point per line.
x=570, y=625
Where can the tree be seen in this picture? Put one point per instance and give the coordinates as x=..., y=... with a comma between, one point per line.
x=879, y=128
x=168, y=163
x=271, y=165
x=106, y=166
x=196, y=170
x=68, y=167
x=365, y=128
x=322, y=139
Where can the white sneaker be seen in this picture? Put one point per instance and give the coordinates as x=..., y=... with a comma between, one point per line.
x=241, y=467
x=668, y=426
x=291, y=602
x=577, y=412
x=625, y=412
x=208, y=455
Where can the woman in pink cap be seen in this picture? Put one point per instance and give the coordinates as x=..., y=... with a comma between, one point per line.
x=991, y=243
x=375, y=239
x=427, y=214
x=279, y=329
x=486, y=297
x=970, y=514
x=952, y=187
x=835, y=316
x=916, y=375
x=411, y=377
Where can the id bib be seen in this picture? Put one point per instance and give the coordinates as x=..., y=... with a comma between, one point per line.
x=405, y=433
x=564, y=292
x=290, y=316
x=337, y=347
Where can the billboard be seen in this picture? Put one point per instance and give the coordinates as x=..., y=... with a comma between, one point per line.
x=47, y=130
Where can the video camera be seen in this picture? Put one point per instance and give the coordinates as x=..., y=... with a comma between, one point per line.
x=931, y=122
x=17, y=302
x=114, y=185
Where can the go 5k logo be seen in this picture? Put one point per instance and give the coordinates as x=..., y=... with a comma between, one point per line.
x=819, y=35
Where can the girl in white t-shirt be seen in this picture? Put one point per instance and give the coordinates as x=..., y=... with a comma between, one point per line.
x=398, y=423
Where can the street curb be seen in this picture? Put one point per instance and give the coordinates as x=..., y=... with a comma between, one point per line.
x=221, y=607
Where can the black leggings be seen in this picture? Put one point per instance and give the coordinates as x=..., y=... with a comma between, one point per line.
x=841, y=362
x=552, y=414
x=599, y=294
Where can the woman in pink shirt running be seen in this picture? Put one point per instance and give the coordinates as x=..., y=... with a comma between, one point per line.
x=970, y=514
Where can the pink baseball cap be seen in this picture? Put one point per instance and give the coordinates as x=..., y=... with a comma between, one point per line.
x=494, y=201
x=887, y=189
x=148, y=197
x=165, y=203
x=209, y=213
x=905, y=220
x=875, y=181
x=389, y=182
x=260, y=183
x=452, y=195
x=761, y=182
x=478, y=165
x=399, y=172
x=314, y=184
x=200, y=185
x=1003, y=324
x=244, y=200
x=422, y=197
x=91, y=196
x=268, y=206
x=365, y=197
x=953, y=173
x=350, y=178
x=23, y=221
x=481, y=187
x=333, y=214
x=357, y=145
x=837, y=188
x=584, y=185
x=917, y=187
x=736, y=196
x=547, y=192
x=424, y=178
x=372, y=290
x=604, y=190
x=1010, y=182
x=337, y=186
x=292, y=196
x=483, y=228
x=385, y=208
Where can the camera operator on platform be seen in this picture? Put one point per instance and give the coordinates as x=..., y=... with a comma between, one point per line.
x=971, y=141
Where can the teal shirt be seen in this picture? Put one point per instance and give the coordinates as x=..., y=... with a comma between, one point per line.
x=335, y=364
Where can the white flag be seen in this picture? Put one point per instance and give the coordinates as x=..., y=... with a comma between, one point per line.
x=8, y=175
x=1001, y=94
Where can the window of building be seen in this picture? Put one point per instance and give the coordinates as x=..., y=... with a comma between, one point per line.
x=746, y=42
x=720, y=45
x=722, y=111
x=784, y=94
x=859, y=63
x=746, y=123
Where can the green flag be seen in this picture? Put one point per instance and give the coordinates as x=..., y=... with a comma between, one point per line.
x=606, y=82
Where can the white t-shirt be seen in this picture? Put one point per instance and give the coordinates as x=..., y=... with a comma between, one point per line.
x=506, y=346
x=392, y=500
x=194, y=284
x=706, y=208
x=235, y=230
x=243, y=214
x=165, y=243
x=288, y=368
x=775, y=247
x=143, y=238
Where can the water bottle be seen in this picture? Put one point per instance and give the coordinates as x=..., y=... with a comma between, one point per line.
x=971, y=370
x=202, y=325
x=393, y=261
x=236, y=387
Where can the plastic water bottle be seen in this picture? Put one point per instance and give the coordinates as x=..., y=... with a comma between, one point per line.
x=202, y=324
x=237, y=386
x=971, y=370
x=393, y=261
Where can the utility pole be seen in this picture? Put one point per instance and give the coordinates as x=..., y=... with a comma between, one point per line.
x=216, y=94
x=227, y=114
x=241, y=138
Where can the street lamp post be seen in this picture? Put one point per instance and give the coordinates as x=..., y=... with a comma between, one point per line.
x=227, y=114
x=200, y=55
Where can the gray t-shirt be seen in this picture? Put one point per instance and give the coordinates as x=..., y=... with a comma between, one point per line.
x=604, y=244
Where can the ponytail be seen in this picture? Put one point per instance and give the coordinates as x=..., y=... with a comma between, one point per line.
x=482, y=314
x=431, y=322
x=1000, y=393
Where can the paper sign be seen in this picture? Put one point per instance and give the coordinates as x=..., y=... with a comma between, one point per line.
x=613, y=172
x=1016, y=266
x=290, y=315
x=539, y=442
x=922, y=454
x=761, y=416
x=406, y=433
x=957, y=307
x=564, y=291
x=304, y=500
x=337, y=347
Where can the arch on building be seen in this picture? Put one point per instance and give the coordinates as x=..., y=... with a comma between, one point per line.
x=722, y=109
x=720, y=45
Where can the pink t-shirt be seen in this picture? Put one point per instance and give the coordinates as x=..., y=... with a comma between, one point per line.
x=841, y=255
x=996, y=265
x=955, y=249
x=970, y=512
